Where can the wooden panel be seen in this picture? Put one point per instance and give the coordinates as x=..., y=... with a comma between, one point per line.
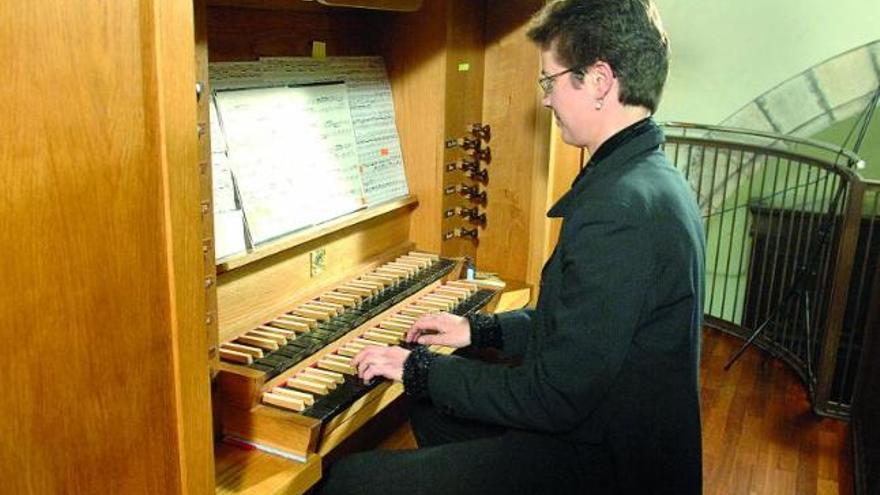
x=356, y=416
x=323, y=5
x=253, y=293
x=464, y=106
x=247, y=471
x=96, y=169
x=178, y=143
x=323, y=230
x=520, y=130
x=297, y=5
x=239, y=386
x=205, y=176
x=417, y=69
x=401, y=5
x=247, y=34
x=275, y=428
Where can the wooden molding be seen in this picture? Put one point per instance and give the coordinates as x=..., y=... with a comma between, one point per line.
x=316, y=232
x=397, y=5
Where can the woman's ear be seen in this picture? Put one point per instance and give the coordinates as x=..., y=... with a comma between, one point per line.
x=604, y=77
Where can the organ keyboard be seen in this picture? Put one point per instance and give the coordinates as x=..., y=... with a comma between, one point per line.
x=288, y=383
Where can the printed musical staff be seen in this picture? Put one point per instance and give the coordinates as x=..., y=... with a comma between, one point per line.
x=313, y=154
x=293, y=154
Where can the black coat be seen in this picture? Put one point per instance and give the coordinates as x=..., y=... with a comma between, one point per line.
x=611, y=350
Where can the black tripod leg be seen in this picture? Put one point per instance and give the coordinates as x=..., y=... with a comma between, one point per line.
x=745, y=346
x=771, y=317
x=809, y=337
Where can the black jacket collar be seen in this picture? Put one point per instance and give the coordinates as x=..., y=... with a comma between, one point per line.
x=635, y=140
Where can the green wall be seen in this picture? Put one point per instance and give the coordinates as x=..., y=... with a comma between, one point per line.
x=870, y=150
x=725, y=53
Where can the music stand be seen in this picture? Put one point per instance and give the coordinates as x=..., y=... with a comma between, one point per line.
x=801, y=286
x=805, y=277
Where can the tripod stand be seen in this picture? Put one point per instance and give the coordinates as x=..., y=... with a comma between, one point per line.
x=798, y=294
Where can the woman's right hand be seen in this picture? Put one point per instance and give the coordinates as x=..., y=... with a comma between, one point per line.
x=440, y=328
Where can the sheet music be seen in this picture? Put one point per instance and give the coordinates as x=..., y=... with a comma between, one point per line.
x=223, y=184
x=230, y=235
x=233, y=75
x=372, y=113
x=293, y=155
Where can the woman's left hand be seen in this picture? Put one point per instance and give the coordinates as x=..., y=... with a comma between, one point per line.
x=385, y=362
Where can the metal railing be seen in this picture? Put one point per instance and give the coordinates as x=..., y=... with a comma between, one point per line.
x=792, y=245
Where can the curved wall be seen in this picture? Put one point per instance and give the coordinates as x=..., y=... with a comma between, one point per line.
x=727, y=54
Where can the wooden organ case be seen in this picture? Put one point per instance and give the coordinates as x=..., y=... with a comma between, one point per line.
x=468, y=114
x=112, y=167
x=448, y=140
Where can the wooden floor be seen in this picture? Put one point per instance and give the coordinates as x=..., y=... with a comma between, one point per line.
x=759, y=434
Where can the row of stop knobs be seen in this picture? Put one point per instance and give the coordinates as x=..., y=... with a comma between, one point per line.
x=477, y=151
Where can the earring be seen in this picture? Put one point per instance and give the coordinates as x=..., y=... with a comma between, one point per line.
x=599, y=103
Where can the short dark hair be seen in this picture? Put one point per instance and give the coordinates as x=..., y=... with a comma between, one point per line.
x=626, y=34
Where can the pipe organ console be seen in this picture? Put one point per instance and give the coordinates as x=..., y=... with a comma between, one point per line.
x=284, y=381
x=248, y=336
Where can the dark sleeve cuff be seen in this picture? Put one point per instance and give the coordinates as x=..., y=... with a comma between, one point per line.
x=485, y=330
x=415, y=371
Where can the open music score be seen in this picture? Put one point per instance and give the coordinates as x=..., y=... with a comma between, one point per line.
x=298, y=152
x=293, y=153
x=370, y=102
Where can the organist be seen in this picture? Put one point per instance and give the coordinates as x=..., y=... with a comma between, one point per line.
x=605, y=398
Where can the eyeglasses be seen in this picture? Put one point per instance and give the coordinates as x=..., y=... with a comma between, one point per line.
x=546, y=82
